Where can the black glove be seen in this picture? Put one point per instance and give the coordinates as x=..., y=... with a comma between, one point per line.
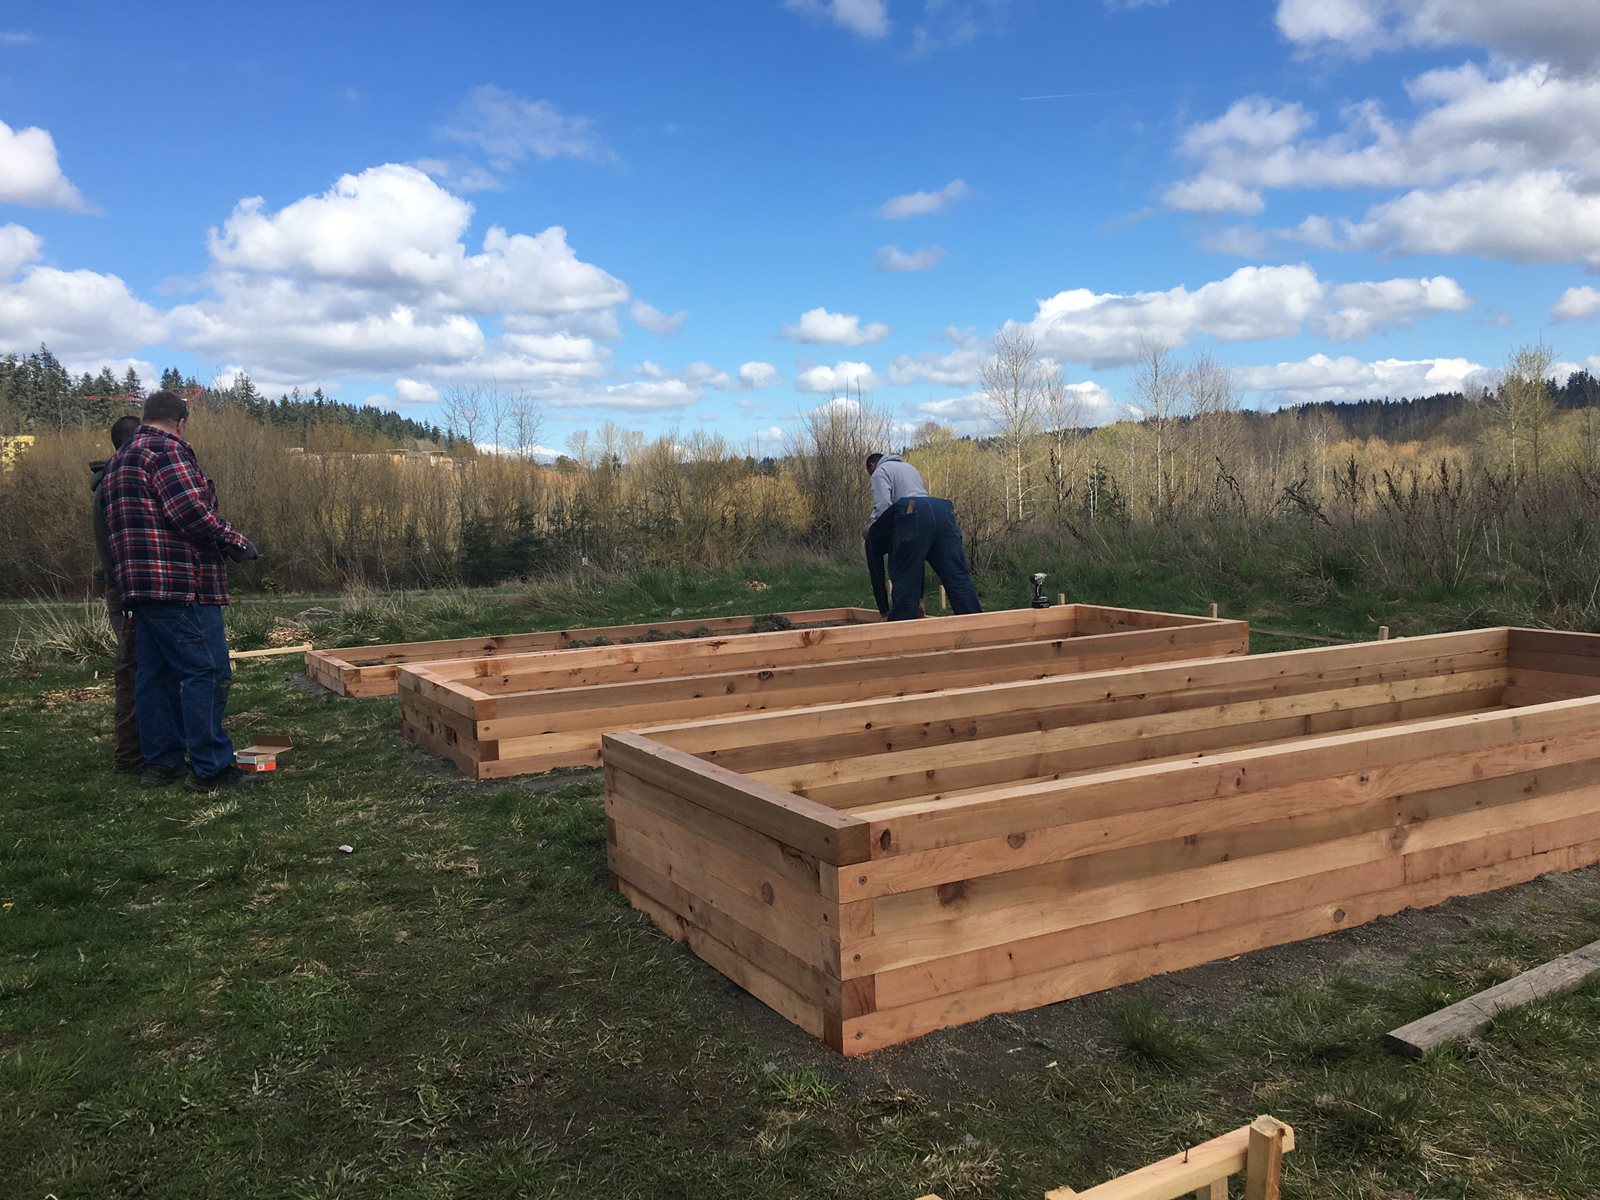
x=242, y=553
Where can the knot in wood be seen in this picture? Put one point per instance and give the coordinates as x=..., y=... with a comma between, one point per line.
x=766, y=892
x=949, y=893
x=1016, y=840
x=884, y=839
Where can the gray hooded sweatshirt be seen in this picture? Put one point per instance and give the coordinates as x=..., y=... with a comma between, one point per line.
x=894, y=479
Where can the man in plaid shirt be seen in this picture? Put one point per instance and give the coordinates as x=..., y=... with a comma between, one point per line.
x=168, y=544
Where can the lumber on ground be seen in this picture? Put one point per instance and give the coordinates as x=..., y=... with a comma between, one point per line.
x=272, y=652
x=1474, y=1014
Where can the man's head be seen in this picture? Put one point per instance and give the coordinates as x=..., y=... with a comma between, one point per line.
x=122, y=429
x=166, y=410
x=872, y=462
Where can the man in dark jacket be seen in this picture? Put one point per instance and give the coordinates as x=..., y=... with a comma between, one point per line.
x=916, y=528
x=168, y=542
x=126, y=759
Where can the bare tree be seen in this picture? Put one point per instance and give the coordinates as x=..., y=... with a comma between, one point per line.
x=1157, y=389
x=830, y=454
x=1061, y=409
x=462, y=409
x=1013, y=387
x=525, y=419
x=1522, y=406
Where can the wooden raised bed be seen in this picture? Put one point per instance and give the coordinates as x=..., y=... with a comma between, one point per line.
x=516, y=714
x=880, y=870
x=365, y=671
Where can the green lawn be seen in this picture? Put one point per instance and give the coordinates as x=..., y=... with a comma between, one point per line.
x=202, y=997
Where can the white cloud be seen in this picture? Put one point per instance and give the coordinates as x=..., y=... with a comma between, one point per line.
x=509, y=128
x=970, y=414
x=916, y=204
x=460, y=174
x=31, y=174
x=758, y=375
x=1240, y=241
x=1252, y=304
x=393, y=227
x=892, y=258
x=642, y=396
x=18, y=247
x=649, y=317
x=1207, y=193
x=868, y=18
x=308, y=330
x=1110, y=329
x=949, y=368
x=1359, y=308
x=414, y=391
x=1558, y=31
x=1576, y=304
x=1470, y=123
x=1322, y=378
x=76, y=313
x=702, y=375
x=842, y=377
x=1537, y=216
x=819, y=326
x=10, y=38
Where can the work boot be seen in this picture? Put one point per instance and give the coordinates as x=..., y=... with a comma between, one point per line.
x=230, y=778
x=160, y=777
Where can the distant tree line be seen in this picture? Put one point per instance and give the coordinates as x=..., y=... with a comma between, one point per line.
x=39, y=395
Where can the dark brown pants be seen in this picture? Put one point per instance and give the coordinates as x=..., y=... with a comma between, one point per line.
x=126, y=756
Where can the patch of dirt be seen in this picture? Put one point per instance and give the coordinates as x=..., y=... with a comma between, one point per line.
x=968, y=1062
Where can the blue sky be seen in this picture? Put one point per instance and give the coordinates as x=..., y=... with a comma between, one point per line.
x=723, y=214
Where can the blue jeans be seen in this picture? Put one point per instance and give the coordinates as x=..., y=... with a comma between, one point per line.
x=925, y=531
x=181, y=689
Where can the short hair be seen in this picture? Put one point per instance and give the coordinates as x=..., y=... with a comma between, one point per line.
x=873, y=460
x=122, y=429
x=165, y=406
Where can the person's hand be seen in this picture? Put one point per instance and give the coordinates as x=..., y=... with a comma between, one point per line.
x=242, y=553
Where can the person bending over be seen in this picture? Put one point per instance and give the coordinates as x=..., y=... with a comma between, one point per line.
x=923, y=529
x=168, y=543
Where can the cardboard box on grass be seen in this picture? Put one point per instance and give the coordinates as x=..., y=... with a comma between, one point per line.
x=264, y=753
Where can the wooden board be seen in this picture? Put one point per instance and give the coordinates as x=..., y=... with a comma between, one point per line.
x=364, y=671
x=1474, y=1014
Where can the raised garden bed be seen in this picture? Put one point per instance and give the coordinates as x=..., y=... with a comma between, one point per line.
x=365, y=671
x=518, y=714
x=876, y=871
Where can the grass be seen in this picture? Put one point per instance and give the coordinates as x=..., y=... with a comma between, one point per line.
x=203, y=997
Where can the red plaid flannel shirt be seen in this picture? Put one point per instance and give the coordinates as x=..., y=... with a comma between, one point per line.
x=166, y=533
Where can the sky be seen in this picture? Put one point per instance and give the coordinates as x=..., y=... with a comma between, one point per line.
x=721, y=215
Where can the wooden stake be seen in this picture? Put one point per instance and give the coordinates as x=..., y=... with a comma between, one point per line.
x=1383, y=633
x=1264, y=1159
x=1213, y=610
x=1555, y=978
x=1061, y=599
x=944, y=601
